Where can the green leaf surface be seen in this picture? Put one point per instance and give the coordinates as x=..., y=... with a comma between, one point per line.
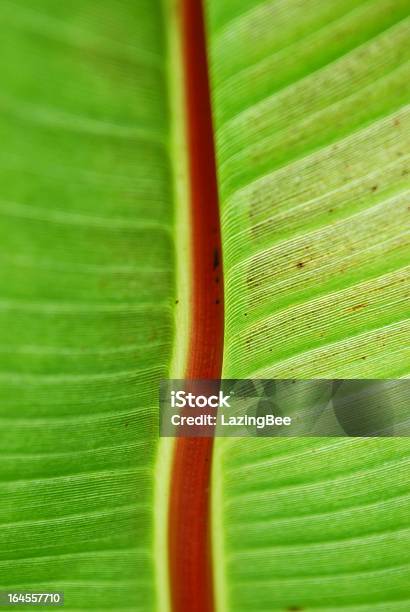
x=87, y=294
x=312, y=132
x=311, y=118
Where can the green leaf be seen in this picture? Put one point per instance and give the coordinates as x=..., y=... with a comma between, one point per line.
x=87, y=297
x=312, y=133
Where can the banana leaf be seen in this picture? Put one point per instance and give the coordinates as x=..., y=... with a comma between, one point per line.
x=312, y=132
x=311, y=125
x=88, y=291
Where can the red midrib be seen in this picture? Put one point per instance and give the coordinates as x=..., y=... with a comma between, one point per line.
x=189, y=514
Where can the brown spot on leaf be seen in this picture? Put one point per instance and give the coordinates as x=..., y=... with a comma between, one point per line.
x=300, y=264
x=358, y=307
